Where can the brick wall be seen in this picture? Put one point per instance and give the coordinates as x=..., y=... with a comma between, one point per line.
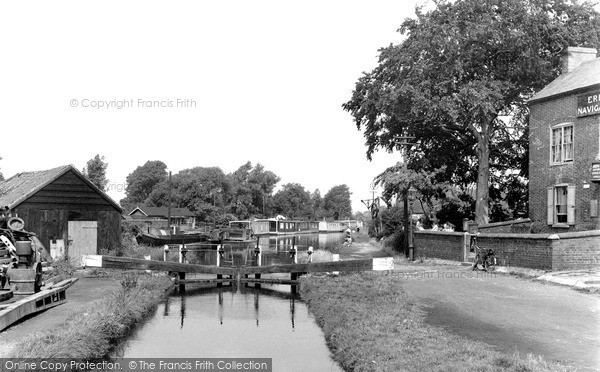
x=515, y=226
x=576, y=250
x=439, y=244
x=523, y=250
x=586, y=130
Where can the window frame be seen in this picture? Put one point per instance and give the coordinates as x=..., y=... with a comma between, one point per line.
x=562, y=145
x=552, y=204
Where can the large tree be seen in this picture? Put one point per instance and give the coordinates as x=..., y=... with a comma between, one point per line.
x=262, y=184
x=95, y=171
x=252, y=189
x=317, y=205
x=141, y=181
x=292, y=201
x=204, y=190
x=461, y=71
x=337, y=202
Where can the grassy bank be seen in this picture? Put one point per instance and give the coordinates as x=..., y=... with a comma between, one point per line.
x=94, y=331
x=371, y=325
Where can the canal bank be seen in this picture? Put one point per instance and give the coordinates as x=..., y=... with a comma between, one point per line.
x=397, y=325
x=97, y=315
x=384, y=318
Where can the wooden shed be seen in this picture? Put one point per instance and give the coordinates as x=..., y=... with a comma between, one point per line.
x=64, y=208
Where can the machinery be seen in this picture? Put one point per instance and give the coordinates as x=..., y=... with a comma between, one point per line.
x=20, y=266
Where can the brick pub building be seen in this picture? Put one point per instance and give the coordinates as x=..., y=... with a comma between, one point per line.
x=564, y=146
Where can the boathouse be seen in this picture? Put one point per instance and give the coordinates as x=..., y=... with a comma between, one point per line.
x=564, y=146
x=67, y=211
x=181, y=218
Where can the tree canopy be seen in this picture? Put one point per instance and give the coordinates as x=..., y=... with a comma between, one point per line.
x=337, y=202
x=459, y=83
x=95, y=171
x=141, y=181
x=292, y=201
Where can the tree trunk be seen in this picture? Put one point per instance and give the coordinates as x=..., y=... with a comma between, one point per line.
x=483, y=177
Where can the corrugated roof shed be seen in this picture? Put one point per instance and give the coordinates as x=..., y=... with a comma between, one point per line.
x=584, y=76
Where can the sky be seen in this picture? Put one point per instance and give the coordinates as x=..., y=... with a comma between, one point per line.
x=192, y=83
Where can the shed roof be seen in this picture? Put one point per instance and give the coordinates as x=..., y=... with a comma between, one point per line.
x=586, y=75
x=162, y=211
x=22, y=186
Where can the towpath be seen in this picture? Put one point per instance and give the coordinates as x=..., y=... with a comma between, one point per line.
x=80, y=294
x=511, y=314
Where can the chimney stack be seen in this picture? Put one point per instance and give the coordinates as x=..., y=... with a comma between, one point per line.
x=572, y=57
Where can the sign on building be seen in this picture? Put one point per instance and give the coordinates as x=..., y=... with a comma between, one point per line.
x=588, y=104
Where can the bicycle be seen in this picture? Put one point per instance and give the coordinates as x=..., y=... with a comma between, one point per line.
x=483, y=257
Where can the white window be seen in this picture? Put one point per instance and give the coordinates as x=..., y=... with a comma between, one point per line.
x=561, y=205
x=562, y=144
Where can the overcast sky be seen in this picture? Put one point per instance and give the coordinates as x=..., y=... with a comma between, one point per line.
x=259, y=81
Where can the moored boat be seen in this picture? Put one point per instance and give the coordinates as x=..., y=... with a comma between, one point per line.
x=162, y=239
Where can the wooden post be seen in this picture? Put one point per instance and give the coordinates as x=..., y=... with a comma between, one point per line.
x=220, y=253
x=258, y=256
x=180, y=253
x=294, y=276
x=166, y=253
x=294, y=254
x=182, y=277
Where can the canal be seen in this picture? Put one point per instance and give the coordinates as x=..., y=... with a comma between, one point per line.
x=240, y=322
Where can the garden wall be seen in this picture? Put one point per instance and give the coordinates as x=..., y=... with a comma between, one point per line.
x=576, y=250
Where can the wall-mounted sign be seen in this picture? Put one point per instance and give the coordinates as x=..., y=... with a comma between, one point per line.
x=596, y=171
x=588, y=104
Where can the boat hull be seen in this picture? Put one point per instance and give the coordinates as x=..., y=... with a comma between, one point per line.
x=156, y=240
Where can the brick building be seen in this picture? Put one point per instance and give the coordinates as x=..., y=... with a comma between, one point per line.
x=564, y=146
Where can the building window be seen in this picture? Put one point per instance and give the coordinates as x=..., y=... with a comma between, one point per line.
x=561, y=205
x=562, y=144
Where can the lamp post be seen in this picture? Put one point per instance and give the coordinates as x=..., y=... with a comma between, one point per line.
x=411, y=197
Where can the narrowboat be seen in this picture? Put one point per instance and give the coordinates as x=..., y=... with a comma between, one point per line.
x=273, y=226
x=161, y=237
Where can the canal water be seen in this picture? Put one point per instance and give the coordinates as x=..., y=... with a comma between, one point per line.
x=243, y=322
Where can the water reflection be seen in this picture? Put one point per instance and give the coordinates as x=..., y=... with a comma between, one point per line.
x=274, y=249
x=228, y=323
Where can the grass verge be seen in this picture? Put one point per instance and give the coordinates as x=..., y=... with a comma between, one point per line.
x=94, y=331
x=370, y=324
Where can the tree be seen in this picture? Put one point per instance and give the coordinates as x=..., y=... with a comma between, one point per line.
x=337, y=202
x=317, y=204
x=292, y=201
x=461, y=70
x=204, y=190
x=396, y=181
x=262, y=185
x=95, y=171
x=252, y=187
x=1, y=176
x=141, y=181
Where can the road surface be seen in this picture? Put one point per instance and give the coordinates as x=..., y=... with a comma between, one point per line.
x=509, y=313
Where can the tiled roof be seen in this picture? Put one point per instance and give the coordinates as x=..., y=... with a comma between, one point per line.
x=21, y=186
x=585, y=75
x=163, y=211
